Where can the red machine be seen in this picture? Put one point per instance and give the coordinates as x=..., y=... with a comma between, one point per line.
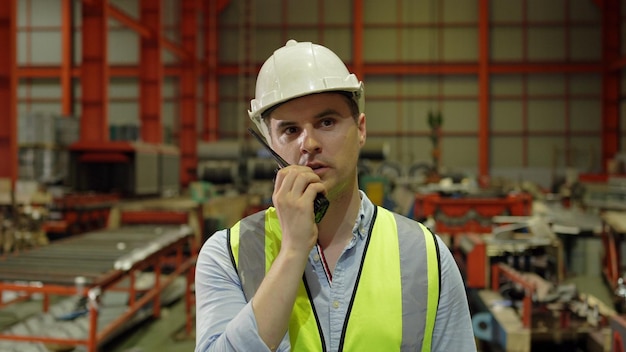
x=533, y=250
x=469, y=214
x=77, y=213
x=614, y=229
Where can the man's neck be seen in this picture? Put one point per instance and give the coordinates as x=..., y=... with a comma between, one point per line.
x=336, y=227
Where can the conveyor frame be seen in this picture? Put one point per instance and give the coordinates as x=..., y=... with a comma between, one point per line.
x=167, y=250
x=613, y=232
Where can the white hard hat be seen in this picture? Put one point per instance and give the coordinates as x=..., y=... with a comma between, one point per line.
x=299, y=69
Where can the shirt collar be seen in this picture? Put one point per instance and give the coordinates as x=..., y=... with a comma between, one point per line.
x=364, y=218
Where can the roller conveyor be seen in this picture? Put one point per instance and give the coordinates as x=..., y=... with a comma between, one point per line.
x=91, y=265
x=90, y=255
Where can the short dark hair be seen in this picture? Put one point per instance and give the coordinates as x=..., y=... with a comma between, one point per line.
x=352, y=104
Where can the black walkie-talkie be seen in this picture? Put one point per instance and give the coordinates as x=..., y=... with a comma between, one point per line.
x=320, y=204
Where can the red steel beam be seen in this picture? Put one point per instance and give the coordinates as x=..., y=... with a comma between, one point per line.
x=247, y=79
x=611, y=47
x=476, y=263
x=357, y=47
x=153, y=217
x=8, y=90
x=284, y=19
x=483, y=90
x=221, y=4
x=94, y=126
x=524, y=96
x=67, y=98
x=368, y=69
x=76, y=71
x=547, y=67
x=211, y=80
x=146, y=32
x=436, y=68
x=141, y=28
x=150, y=74
x=516, y=277
x=473, y=69
x=619, y=64
x=188, y=139
x=320, y=21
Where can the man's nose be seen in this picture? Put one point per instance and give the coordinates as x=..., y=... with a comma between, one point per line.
x=309, y=144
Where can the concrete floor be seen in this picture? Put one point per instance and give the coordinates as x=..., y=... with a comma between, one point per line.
x=164, y=334
x=168, y=333
x=594, y=285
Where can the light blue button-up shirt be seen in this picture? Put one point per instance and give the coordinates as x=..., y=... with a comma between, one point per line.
x=226, y=322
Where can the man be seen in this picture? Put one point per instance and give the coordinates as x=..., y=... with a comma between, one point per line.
x=363, y=278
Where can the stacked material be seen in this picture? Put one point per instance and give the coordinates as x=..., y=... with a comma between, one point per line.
x=42, y=140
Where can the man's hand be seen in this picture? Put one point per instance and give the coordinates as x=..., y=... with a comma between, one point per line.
x=295, y=190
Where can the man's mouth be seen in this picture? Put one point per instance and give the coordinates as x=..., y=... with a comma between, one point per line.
x=316, y=166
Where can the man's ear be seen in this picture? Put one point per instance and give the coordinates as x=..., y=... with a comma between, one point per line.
x=362, y=129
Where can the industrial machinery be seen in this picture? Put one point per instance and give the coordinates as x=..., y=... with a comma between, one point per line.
x=527, y=245
x=126, y=168
x=608, y=195
x=522, y=310
x=618, y=338
x=221, y=163
x=608, y=198
x=469, y=213
x=21, y=228
x=74, y=213
x=614, y=230
x=245, y=166
x=515, y=279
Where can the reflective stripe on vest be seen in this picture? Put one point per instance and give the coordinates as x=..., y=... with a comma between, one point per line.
x=393, y=306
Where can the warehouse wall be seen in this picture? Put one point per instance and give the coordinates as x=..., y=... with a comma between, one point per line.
x=39, y=44
x=538, y=120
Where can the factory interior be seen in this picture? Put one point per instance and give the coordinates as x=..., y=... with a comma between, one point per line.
x=499, y=125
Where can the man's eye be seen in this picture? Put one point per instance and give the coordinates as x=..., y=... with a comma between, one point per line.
x=290, y=130
x=327, y=122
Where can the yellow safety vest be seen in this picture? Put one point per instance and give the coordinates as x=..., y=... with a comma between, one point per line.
x=375, y=316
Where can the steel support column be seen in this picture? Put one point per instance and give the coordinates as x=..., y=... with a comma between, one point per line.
x=357, y=39
x=8, y=90
x=211, y=82
x=483, y=93
x=611, y=46
x=94, y=126
x=67, y=93
x=150, y=74
x=621, y=63
x=188, y=138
